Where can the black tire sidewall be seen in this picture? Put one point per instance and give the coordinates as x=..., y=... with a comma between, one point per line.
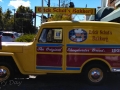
x=95, y=66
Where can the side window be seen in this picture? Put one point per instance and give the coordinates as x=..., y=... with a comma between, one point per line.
x=51, y=35
x=16, y=34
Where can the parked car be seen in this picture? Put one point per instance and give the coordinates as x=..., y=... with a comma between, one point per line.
x=20, y=34
x=9, y=36
x=1, y=32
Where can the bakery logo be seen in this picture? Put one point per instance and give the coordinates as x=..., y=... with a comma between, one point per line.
x=78, y=35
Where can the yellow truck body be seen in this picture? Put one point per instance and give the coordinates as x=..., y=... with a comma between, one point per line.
x=89, y=47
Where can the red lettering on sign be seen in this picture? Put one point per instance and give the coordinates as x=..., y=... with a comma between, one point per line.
x=83, y=11
x=47, y=10
x=39, y=9
x=59, y=10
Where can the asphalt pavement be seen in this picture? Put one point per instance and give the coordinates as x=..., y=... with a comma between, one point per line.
x=59, y=82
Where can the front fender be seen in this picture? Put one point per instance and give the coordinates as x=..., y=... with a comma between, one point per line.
x=14, y=58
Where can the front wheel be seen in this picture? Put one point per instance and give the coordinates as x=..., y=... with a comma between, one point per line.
x=6, y=72
x=95, y=74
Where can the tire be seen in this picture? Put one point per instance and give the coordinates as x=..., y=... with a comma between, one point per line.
x=6, y=72
x=95, y=74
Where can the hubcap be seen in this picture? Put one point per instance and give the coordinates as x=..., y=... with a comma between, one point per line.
x=4, y=73
x=95, y=75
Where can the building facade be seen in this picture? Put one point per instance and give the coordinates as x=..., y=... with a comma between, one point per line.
x=117, y=4
x=104, y=3
x=109, y=11
x=115, y=15
x=111, y=3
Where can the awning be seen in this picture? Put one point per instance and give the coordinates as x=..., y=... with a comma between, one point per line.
x=113, y=15
x=102, y=12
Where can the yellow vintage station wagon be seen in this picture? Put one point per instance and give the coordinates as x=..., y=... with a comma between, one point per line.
x=88, y=47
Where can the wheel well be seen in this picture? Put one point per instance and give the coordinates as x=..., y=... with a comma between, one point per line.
x=96, y=62
x=10, y=60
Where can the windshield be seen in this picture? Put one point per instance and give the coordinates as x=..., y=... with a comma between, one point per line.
x=7, y=34
x=43, y=36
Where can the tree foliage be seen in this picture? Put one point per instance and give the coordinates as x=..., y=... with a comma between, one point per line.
x=22, y=24
x=26, y=38
x=25, y=23
x=59, y=16
x=7, y=20
x=1, y=19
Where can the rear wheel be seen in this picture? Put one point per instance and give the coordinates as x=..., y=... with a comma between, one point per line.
x=95, y=74
x=6, y=72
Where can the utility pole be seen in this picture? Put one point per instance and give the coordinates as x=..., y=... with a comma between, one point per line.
x=59, y=3
x=35, y=18
x=14, y=19
x=42, y=10
x=48, y=6
x=22, y=27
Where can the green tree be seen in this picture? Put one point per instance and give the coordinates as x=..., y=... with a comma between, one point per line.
x=1, y=20
x=59, y=16
x=7, y=20
x=24, y=23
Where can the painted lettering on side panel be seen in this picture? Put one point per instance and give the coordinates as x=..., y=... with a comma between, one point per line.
x=93, y=50
x=49, y=49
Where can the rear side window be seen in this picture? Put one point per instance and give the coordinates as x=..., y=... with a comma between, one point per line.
x=16, y=34
x=7, y=34
x=51, y=35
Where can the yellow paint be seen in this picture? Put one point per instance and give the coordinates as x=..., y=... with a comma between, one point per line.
x=25, y=55
x=87, y=11
x=99, y=35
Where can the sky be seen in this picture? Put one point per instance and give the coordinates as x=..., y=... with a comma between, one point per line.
x=14, y=4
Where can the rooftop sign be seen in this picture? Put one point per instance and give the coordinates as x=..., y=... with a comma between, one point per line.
x=87, y=11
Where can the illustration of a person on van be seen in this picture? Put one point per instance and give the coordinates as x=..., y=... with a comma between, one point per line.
x=79, y=35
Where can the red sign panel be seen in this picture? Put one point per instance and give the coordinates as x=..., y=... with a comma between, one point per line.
x=94, y=50
x=49, y=49
x=49, y=60
x=78, y=60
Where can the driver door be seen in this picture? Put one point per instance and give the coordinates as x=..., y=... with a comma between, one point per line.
x=50, y=50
